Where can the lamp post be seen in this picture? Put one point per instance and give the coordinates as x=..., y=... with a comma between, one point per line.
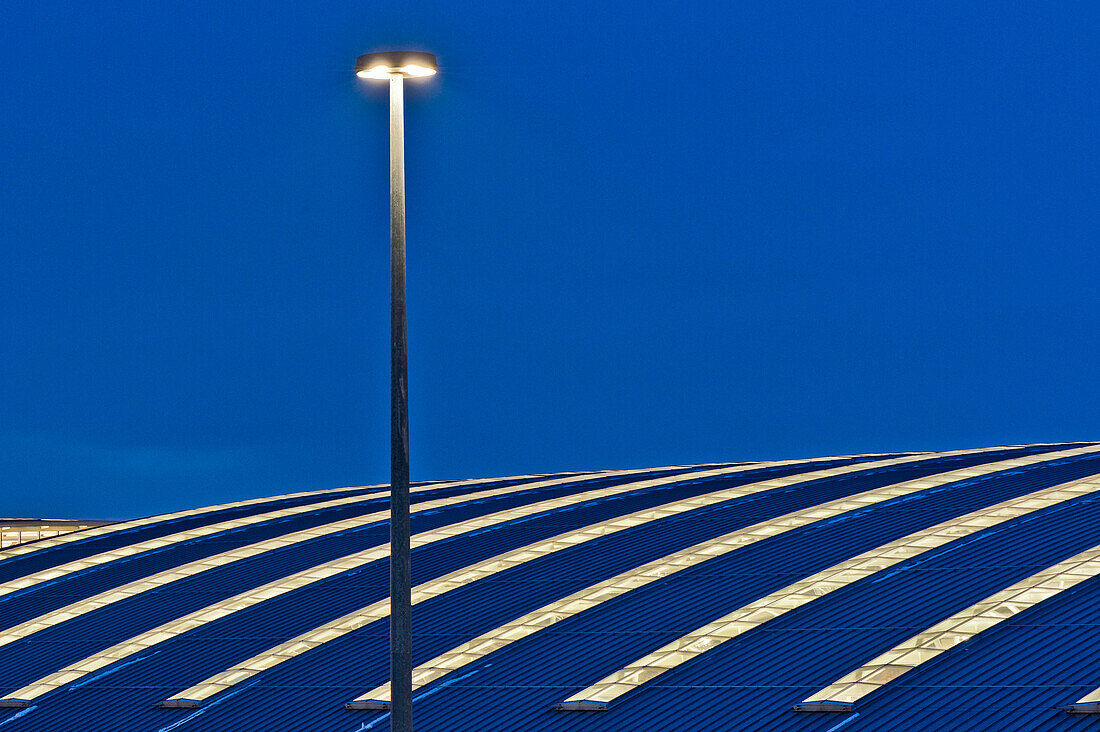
x=395, y=66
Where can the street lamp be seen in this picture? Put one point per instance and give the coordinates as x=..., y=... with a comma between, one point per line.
x=395, y=66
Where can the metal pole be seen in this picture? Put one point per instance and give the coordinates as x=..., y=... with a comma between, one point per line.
x=400, y=564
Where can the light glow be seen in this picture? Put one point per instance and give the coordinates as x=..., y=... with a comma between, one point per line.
x=375, y=72
x=384, y=72
x=417, y=70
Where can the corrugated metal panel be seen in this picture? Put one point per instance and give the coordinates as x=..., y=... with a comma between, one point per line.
x=749, y=686
x=44, y=558
x=35, y=600
x=128, y=648
x=43, y=555
x=44, y=651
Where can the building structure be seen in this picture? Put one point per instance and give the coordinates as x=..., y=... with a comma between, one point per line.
x=938, y=591
x=19, y=530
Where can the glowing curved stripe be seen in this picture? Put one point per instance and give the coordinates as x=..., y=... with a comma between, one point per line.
x=190, y=569
x=182, y=536
x=817, y=585
x=596, y=594
x=959, y=628
x=352, y=621
x=20, y=549
x=252, y=597
x=42, y=544
x=137, y=523
x=128, y=550
x=117, y=594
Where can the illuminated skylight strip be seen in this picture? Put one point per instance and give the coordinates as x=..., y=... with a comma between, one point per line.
x=194, y=695
x=959, y=628
x=773, y=605
x=21, y=549
x=594, y=595
x=108, y=597
x=129, y=550
x=252, y=597
x=137, y=523
x=163, y=541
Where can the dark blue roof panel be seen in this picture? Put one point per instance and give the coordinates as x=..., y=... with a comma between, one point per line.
x=1015, y=675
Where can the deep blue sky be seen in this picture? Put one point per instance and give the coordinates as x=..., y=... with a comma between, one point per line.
x=639, y=234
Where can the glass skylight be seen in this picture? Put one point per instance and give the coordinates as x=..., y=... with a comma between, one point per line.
x=959, y=628
x=601, y=592
x=819, y=584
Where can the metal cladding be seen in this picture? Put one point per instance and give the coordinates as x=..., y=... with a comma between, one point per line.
x=911, y=590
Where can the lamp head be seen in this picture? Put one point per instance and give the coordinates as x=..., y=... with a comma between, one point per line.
x=386, y=63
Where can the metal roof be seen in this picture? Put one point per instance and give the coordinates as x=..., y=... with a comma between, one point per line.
x=706, y=597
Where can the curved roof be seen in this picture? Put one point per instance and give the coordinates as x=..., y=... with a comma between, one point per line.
x=946, y=590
